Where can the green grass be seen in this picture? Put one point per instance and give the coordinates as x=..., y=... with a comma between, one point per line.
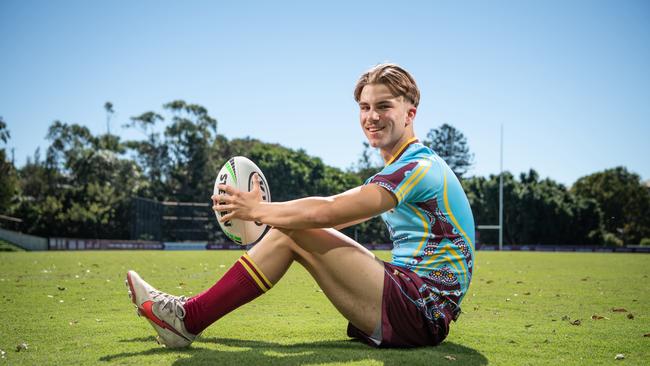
x=72, y=308
x=6, y=246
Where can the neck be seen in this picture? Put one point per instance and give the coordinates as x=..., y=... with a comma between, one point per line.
x=389, y=154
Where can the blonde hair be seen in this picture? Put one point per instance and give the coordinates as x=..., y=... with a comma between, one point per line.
x=399, y=82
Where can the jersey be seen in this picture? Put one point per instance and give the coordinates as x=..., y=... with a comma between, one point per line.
x=431, y=227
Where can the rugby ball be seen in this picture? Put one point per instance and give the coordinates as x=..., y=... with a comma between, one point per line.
x=238, y=172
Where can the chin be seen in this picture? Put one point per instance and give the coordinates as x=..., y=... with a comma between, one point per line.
x=374, y=143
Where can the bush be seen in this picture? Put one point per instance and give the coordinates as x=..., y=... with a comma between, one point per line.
x=645, y=242
x=611, y=240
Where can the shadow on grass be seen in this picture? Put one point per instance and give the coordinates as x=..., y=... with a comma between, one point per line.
x=249, y=352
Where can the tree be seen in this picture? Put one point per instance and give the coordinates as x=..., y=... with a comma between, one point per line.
x=8, y=176
x=535, y=211
x=189, y=139
x=624, y=200
x=451, y=145
x=152, y=154
x=4, y=132
x=108, y=106
x=544, y=211
x=369, y=162
x=83, y=189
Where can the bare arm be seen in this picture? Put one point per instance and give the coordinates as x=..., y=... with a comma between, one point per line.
x=352, y=223
x=350, y=207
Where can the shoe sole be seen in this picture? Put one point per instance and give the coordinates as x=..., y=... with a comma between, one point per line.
x=129, y=286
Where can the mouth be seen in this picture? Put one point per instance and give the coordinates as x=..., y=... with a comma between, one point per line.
x=374, y=129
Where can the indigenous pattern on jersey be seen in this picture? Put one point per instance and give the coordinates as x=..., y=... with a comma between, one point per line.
x=432, y=227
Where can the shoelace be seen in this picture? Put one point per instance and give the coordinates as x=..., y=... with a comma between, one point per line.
x=171, y=302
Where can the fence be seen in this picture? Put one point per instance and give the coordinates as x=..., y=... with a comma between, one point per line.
x=567, y=248
x=101, y=244
x=28, y=242
x=173, y=221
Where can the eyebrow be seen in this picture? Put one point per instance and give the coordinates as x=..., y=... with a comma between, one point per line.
x=389, y=100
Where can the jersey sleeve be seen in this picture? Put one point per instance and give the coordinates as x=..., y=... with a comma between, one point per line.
x=410, y=181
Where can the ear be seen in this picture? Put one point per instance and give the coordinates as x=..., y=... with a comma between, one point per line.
x=410, y=114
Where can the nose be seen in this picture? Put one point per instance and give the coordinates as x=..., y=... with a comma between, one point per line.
x=373, y=115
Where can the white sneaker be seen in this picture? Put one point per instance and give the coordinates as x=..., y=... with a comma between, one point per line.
x=163, y=311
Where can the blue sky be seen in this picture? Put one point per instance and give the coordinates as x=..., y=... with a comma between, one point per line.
x=569, y=80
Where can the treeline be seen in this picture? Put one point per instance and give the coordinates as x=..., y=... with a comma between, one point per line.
x=611, y=207
x=84, y=184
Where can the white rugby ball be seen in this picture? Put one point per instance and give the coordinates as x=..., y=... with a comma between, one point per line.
x=238, y=172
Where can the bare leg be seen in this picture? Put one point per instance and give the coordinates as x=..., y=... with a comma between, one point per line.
x=349, y=274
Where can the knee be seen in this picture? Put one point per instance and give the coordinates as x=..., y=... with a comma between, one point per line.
x=285, y=240
x=277, y=235
x=278, y=238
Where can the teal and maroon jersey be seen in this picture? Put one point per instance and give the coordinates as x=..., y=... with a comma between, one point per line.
x=432, y=227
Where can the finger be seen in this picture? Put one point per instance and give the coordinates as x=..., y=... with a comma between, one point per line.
x=226, y=208
x=227, y=189
x=226, y=217
x=256, y=182
x=215, y=199
x=223, y=199
x=219, y=208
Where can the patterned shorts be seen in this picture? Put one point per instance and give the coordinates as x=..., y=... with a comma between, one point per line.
x=411, y=314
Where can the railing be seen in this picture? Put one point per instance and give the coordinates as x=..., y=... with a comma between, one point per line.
x=28, y=242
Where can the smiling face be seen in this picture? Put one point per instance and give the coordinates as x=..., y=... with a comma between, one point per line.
x=386, y=120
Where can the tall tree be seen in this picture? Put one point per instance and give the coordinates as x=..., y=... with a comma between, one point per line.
x=451, y=145
x=624, y=200
x=189, y=138
x=88, y=187
x=8, y=176
x=108, y=107
x=4, y=132
x=152, y=154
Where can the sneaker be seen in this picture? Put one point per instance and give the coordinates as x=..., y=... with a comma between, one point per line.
x=163, y=311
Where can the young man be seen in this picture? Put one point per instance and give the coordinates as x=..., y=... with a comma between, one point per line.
x=407, y=302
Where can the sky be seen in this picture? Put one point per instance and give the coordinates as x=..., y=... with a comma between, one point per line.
x=569, y=81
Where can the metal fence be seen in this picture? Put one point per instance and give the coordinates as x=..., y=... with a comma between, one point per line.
x=173, y=221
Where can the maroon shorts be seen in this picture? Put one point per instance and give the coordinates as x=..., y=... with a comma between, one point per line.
x=411, y=314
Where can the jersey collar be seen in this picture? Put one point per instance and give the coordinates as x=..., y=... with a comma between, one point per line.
x=401, y=150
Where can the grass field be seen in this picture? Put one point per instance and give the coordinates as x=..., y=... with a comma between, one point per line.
x=8, y=247
x=72, y=308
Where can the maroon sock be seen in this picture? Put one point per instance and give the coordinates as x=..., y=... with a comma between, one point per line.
x=242, y=283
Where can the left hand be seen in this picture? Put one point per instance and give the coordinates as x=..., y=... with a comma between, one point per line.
x=238, y=204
